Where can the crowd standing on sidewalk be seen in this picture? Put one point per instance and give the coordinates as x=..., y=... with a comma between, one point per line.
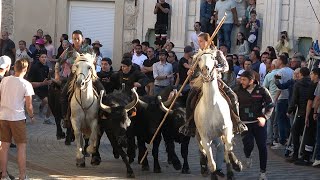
x=269, y=75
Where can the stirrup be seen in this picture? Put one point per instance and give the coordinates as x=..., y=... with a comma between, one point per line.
x=241, y=127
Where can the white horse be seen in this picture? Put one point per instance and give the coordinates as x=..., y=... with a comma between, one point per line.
x=84, y=105
x=212, y=114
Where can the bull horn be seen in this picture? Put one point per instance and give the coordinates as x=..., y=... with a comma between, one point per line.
x=143, y=104
x=168, y=102
x=104, y=107
x=132, y=104
x=162, y=106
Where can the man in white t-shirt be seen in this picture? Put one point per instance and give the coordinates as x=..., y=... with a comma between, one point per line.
x=194, y=36
x=15, y=93
x=263, y=67
x=138, y=58
x=229, y=7
x=23, y=52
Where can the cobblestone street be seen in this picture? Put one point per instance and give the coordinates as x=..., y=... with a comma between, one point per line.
x=48, y=158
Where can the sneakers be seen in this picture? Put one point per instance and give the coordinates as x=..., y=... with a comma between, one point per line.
x=5, y=178
x=248, y=163
x=278, y=146
x=9, y=176
x=316, y=163
x=263, y=176
x=25, y=178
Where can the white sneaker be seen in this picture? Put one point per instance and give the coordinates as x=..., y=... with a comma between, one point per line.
x=25, y=178
x=316, y=163
x=263, y=176
x=5, y=178
x=248, y=163
x=278, y=146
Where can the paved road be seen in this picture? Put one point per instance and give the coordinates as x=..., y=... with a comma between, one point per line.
x=48, y=158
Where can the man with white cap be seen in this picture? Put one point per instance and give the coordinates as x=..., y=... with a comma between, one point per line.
x=5, y=64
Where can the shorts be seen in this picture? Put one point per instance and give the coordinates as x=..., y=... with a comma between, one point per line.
x=161, y=29
x=13, y=129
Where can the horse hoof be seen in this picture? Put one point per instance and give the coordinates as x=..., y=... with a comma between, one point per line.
x=91, y=149
x=95, y=161
x=130, y=175
x=81, y=163
x=214, y=176
x=237, y=166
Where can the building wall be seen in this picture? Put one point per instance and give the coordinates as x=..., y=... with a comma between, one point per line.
x=23, y=18
x=7, y=16
x=295, y=17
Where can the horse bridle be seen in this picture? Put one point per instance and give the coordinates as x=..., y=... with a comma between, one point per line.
x=87, y=79
x=209, y=77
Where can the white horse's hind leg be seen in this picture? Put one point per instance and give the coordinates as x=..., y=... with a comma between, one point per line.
x=93, y=137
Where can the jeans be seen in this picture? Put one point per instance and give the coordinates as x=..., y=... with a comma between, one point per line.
x=158, y=89
x=219, y=153
x=283, y=120
x=255, y=132
x=271, y=134
x=318, y=140
x=225, y=34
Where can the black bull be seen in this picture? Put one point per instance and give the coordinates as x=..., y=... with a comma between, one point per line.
x=147, y=120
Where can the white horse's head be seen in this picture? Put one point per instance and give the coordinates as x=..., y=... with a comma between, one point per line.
x=84, y=70
x=208, y=64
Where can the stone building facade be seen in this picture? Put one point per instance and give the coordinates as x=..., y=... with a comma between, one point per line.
x=135, y=19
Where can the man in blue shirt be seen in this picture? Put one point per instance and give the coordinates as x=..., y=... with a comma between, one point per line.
x=206, y=16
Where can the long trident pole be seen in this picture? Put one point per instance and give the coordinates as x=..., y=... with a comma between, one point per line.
x=183, y=85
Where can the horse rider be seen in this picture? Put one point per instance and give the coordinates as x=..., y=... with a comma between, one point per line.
x=69, y=56
x=194, y=95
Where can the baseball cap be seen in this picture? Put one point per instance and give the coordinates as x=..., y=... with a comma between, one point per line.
x=40, y=41
x=5, y=61
x=248, y=74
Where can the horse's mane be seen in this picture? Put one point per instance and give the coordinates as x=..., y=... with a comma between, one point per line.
x=88, y=58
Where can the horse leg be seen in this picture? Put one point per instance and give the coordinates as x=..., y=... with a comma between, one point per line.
x=96, y=158
x=86, y=144
x=203, y=158
x=155, y=154
x=79, y=143
x=124, y=157
x=184, y=154
x=93, y=137
x=227, y=139
x=208, y=148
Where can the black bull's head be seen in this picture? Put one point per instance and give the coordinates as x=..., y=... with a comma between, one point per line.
x=115, y=109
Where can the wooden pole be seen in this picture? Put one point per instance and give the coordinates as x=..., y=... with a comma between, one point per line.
x=183, y=85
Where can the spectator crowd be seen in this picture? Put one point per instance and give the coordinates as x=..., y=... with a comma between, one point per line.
x=293, y=86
